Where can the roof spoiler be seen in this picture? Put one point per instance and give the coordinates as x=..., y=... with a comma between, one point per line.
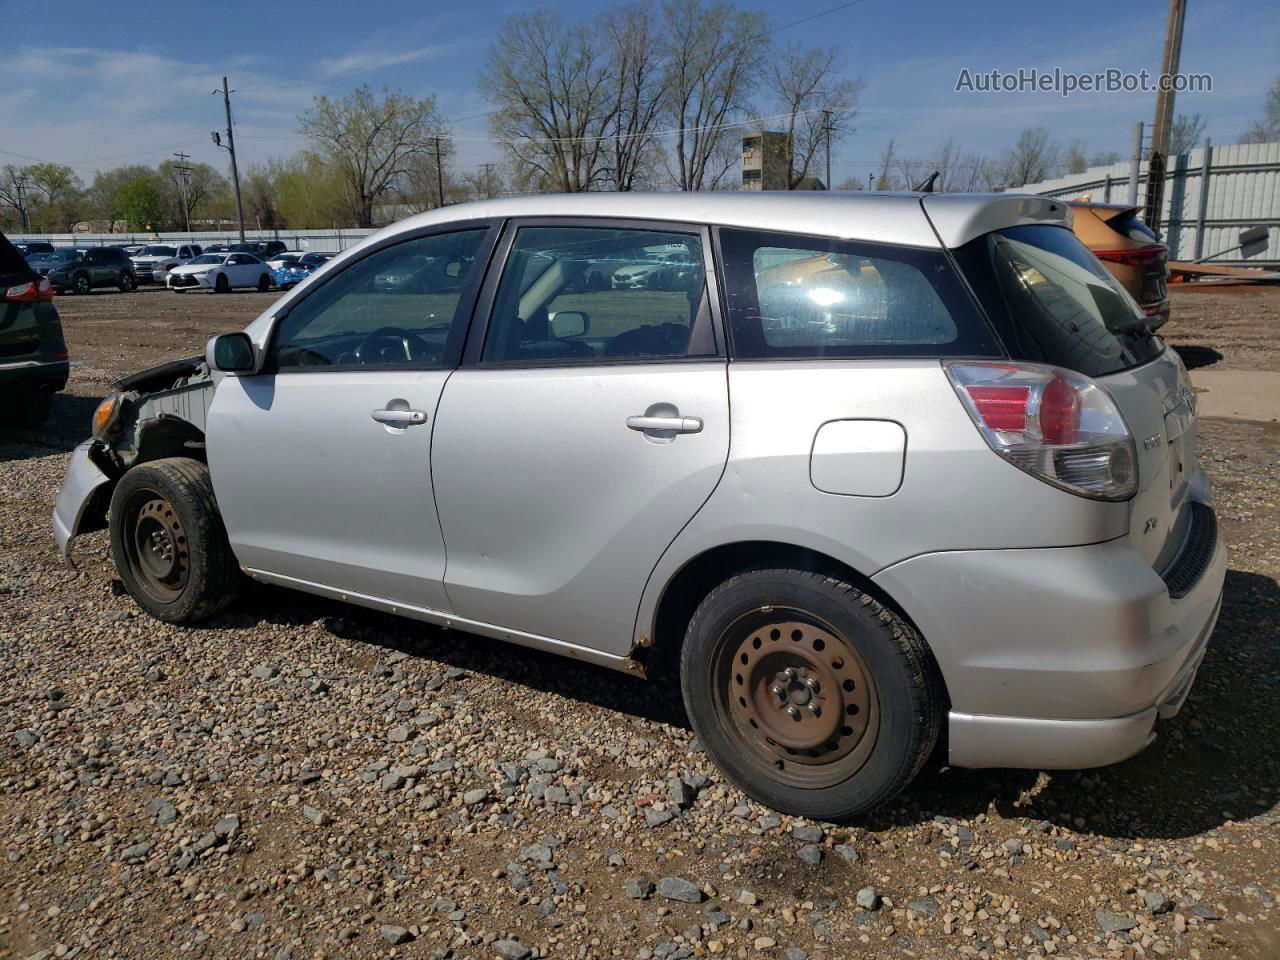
x=958, y=218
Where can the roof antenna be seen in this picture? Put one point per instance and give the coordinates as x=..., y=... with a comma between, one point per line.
x=926, y=185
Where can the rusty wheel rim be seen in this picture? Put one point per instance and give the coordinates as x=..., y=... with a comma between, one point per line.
x=800, y=696
x=158, y=549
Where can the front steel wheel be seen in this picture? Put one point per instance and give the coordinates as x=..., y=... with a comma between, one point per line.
x=168, y=543
x=811, y=695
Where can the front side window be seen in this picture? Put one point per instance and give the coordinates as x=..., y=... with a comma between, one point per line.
x=596, y=294
x=398, y=307
x=810, y=297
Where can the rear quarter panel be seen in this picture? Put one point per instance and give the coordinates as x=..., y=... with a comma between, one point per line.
x=956, y=494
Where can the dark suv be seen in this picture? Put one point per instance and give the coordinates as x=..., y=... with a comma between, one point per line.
x=82, y=270
x=260, y=248
x=33, y=355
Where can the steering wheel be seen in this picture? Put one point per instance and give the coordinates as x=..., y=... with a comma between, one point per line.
x=410, y=344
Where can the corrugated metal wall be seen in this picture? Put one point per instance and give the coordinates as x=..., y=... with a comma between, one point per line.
x=1244, y=191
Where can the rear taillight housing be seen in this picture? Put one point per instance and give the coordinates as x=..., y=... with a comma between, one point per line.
x=1055, y=424
x=1135, y=257
x=30, y=292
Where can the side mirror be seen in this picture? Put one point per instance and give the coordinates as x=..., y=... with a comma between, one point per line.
x=567, y=324
x=230, y=353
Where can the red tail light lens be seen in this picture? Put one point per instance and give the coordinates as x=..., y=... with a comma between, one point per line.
x=1055, y=424
x=31, y=292
x=1138, y=257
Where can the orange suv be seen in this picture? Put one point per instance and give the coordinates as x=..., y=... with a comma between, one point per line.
x=1129, y=249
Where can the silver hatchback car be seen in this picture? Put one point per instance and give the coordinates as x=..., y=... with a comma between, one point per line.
x=872, y=471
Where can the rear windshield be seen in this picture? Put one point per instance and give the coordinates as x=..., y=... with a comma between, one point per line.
x=159, y=252
x=1053, y=302
x=803, y=297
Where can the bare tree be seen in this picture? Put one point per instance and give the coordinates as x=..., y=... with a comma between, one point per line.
x=556, y=90
x=372, y=141
x=191, y=193
x=632, y=37
x=1034, y=156
x=1077, y=160
x=713, y=53
x=807, y=86
x=1105, y=158
x=1186, y=133
x=484, y=183
x=1266, y=130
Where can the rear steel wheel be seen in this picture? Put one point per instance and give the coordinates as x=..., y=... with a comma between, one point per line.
x=81, y=283
x=810, y=694
x=801, y=693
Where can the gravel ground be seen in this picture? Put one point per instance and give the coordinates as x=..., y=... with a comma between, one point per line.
x=300, y=778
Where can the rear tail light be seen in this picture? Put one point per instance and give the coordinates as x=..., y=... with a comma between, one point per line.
x=1055, y=424
x=30, y=292
x=1137, y=257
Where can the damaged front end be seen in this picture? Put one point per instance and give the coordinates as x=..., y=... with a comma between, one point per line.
x=157, y=413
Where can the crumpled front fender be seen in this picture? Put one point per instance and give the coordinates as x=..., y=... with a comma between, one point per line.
x=80, y=506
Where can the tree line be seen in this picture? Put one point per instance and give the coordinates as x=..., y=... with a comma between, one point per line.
x=646, y=95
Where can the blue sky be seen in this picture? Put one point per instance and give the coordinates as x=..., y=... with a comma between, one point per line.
x=99, y=84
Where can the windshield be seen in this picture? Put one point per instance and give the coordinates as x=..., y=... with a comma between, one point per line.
x=158, y=252
x=1055, y=303
x=60, y=256
x=207, y=258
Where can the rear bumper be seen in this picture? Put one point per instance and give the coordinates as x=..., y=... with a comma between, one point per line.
x=1057, y=658
x=48, y=375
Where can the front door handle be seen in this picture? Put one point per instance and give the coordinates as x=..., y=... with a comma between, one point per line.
x=669, y=424
x=400, y=418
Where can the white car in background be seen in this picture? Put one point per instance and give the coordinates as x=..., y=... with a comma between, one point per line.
x=278, y=260
x=221, y=272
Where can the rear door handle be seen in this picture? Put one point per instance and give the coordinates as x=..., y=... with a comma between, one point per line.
x=400, y=418
x=671, y=424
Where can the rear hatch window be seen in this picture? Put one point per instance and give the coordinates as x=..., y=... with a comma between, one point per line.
x=1054, y=303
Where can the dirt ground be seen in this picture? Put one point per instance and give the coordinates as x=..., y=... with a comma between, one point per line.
x=303, y=779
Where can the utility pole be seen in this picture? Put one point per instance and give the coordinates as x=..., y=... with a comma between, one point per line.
x=230, y=147
x=827, y=126
x=19, y=184
x=439, y=174
x=1164, y=114
x=184, y=185
x=1135, y=161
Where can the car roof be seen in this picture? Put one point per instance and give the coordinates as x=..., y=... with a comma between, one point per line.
x=858, y=215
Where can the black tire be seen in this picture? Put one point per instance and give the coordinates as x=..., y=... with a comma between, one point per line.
x=127, y=282
x=221, y=284
x=878, y=685
x=264, y=283
x=168, y=542
x=81, y=283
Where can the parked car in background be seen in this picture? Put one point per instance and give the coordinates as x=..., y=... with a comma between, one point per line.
x=154, y=262
x=1116, y=235
x=218, y=248
x=84, y=270
x=939, y=473
x=33, y=354
x=294, y=270
x=277, y=260
x=132, y=249
x=25, y=247
x=221, y=272
x=42, y=263
x=260, y=248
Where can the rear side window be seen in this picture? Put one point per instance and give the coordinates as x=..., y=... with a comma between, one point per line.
x=1055, y=303
x=808, y=297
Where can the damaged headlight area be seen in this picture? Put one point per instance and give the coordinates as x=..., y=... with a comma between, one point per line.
x=105, y=416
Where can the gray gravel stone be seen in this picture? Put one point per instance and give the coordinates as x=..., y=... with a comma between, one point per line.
x=868, y=899
x=265, y=672
x=848, y=852
x=808, y=833
x=678, y=888
x=227, y=826
x=511, y=950
x=399, y=734
x=472, y=797
x=1156, y=901
x=395, y=935
x=639, y=888
x=1109, y=922
x=810, y=853
x=925, y=905
x=318, y=817
x=656, y=818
